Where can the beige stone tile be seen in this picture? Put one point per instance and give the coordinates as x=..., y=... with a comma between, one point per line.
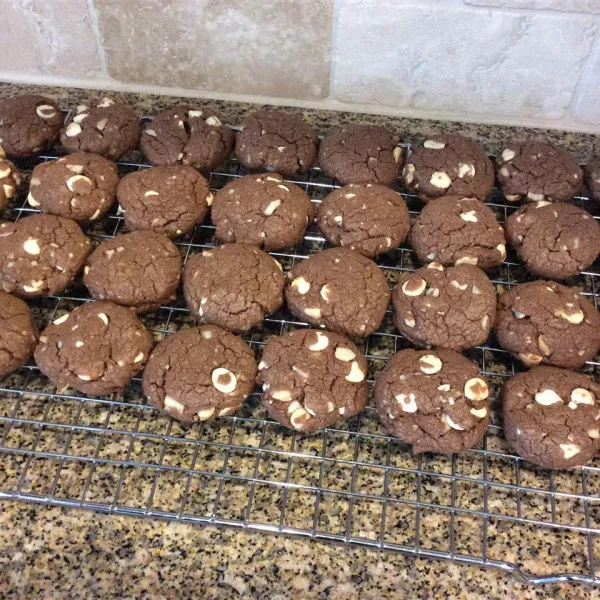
x=271, y=48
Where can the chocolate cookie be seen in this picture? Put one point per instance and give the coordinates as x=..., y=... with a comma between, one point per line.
x=554, y=240
x=184, y=135
x=10, y=180
x=312, y=379
x=339, y=289
x=433, y=399
x=234, y=286
x=533, y=171
x=262, y=210
x=551, y=417
x=139, y=269
x=273, y=140
x=545, y=322
x=199, y=374
x=448, y=165
x=28, y=124
x=40, y=255
x=18, y=333
x=449, y=308
x=96, y=349
x=361, y=154
x=591, y=175
x=81, y=186
x=457, y=231
x=371, y=219
x=169, y=200
x=108, y=128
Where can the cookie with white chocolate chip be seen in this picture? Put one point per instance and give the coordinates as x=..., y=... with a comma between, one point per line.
x=533, y=171
x=545, y=322
x=435, y=400
x=312, y=379
x=18, y=333
x=451, y=307
x=28, y=124
x=96, y=348
x=591, y=178
x=455, y=231
x=555, y=240
x=339, y=289
x=40, y=255
x=448, y=165
x=107, y=128
x=200, y=373
x=261, y=210
x=551, y=417
x=81, y=186
x=10, y=180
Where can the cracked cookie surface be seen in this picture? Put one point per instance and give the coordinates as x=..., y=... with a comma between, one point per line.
x=435, y=400
x=200, y=373
x=312, y=379
x=591, y=174
x=18, y=333
x=551, y=417
x=10, y=180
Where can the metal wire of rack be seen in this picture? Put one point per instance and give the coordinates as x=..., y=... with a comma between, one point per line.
x=351, y=483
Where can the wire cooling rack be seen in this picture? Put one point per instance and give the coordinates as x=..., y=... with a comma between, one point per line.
x=350, y=483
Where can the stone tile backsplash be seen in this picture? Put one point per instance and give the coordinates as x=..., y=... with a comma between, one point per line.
x=530, y=62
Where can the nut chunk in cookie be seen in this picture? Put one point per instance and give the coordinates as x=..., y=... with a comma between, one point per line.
x=18, y=333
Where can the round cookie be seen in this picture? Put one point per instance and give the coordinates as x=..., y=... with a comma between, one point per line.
x=199, y=374
x=551, y=417
x=96, y=349
x=28, y=124
x=261, y=210
x=18, y=333
x=533, y=171
x=591, y=175
x=10, y=180
x=169, y=200
x=40, y=255
x=435, y=400
x=370, y=219
x=108, y=128
x=554, y=240
x=545, y=322
x=140, y=270
x=312, y=379
x=450, y=308
x=81, y=186
x=184, y=135
x=234, y=286
x=456, y=231
x=339, y=289
x=273, y=140
x=448, y=165
x=361, y=154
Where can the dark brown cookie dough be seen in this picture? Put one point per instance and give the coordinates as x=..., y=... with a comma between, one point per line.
x=40, y=255
x=456, y=231
x=533, y=171
x=139, y=269
x=81, y=186
x=449, y=308
x=107, y=128
x=370, y=219
x=96, y=349
x=545, y=322
x=312, y=379
x=591, y=175
x=28, y=124
x=273, y=140
x=169, y=200
x=554, y=240
x=261, y=210
x=435, y=400
x=448, y=165
x=18, y=333
x=361, y=154
x=199, y=374
x=339, y=289
x=551, y=417
x=184, y=135
x=234, y=286
x=10, y=180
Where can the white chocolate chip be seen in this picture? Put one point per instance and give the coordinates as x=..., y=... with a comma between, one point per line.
x=575, y=317
x=452, y=424
x=547, y=397
x=205, y=414
x=73, y=129
x=569, y=450
x=103, y=318
x=459, y=286
x=535, y=197
x=213, y=121
x=172, y=404
x=321, y=343
x=410, y=406
x=355, y=375
x=6, y=172
x=281, y=395
x=476, y=389
x=226, y=411
x=272, y=206
x=139, y=357
x=84, y=377
x=35, y=286
x=349, y=196
x=504, y=172
x=344, y=354
x=594, y=433
x=469, y=216
x=338, y=219
x=78, y=344
x=209, y=199
x=9, y=190
x=45, y=111
x=397, y=153
x=435, y=265
x=512, y=197
x=581, y=396
x=466, y=169
x=106, y=102
x=502, y=249
x=78, y=169
x=507, y=155
x=433, y=145
x=325, y=292
x=300, y=372
x=80, y=118
x=330, y=406
x=409, y=320
x=101, y=124
x=194, y=113
x=430, y=364
x=543, y=345
x=207, y=335
x=301, y=285
x=150, y=132
x=530, y=359
x=467, y=260
x=284, y=187
x=408, y=173
x=479, y=412
x=445, y=387
x=518, y=314
x=414, y=286
x=60, y=319
x=225, y=388
x=31, y=247
x=297, y=417
x=280, y=148
x=440, y=179
x=313, y=313
x=75, y=179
